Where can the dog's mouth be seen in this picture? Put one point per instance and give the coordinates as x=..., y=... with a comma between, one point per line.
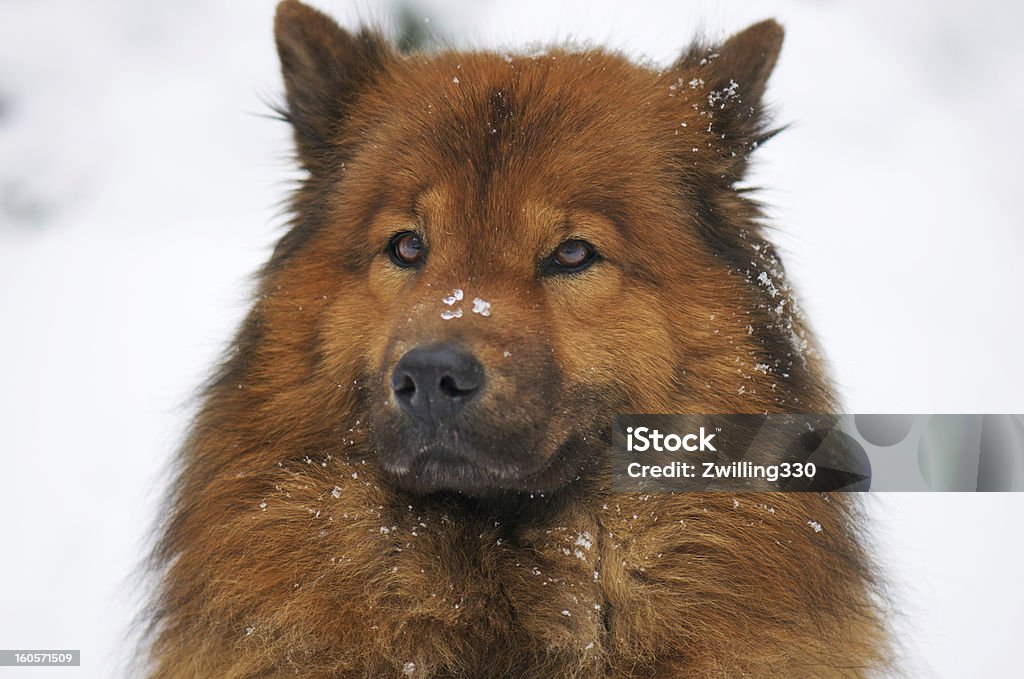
x=481, y=462
x=442, y=470
x=447, y=465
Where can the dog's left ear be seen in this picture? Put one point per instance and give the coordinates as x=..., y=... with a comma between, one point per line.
x=325, y=70
x=726, y=83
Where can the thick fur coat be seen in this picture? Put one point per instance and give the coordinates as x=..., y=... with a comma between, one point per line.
x=309, y=534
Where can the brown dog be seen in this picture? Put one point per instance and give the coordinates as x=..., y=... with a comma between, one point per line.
x=400, y=469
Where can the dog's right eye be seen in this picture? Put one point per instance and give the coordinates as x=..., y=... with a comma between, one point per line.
x=570, y=256
x=406, y=249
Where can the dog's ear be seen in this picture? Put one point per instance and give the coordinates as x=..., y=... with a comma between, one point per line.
x=325, y=68
x=725, y=85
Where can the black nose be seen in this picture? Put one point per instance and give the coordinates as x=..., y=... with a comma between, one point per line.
x=435, y=382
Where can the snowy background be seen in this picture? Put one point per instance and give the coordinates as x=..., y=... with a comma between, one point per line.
x=140, y=185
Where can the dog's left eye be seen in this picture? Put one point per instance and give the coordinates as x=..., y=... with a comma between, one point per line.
x=406, y=249
x=570, y=256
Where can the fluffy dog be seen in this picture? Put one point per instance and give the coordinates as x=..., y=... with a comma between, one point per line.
x=401, y=467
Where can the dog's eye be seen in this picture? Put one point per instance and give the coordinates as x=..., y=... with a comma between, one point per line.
x=570, y=256
x=406, y=249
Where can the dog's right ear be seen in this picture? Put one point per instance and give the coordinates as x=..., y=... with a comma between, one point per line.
x=325, y=68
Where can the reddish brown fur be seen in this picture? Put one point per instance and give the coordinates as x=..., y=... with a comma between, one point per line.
x=290, y=552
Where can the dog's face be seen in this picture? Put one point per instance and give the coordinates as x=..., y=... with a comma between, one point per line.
x=509, y=250
x=512, y=287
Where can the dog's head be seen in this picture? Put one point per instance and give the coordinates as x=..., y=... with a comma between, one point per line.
x=503, y=251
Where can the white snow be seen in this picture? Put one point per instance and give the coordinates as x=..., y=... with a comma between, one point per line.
x=481, y=307
x=456, y=296
x=764, y=279
x=449, y=314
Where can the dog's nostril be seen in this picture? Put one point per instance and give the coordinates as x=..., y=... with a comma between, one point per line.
x=451, y=389
x=404, y=386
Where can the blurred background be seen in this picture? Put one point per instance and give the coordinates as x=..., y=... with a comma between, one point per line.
x=141, y=183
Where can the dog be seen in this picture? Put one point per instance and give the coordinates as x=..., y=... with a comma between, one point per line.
x=400, y=469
